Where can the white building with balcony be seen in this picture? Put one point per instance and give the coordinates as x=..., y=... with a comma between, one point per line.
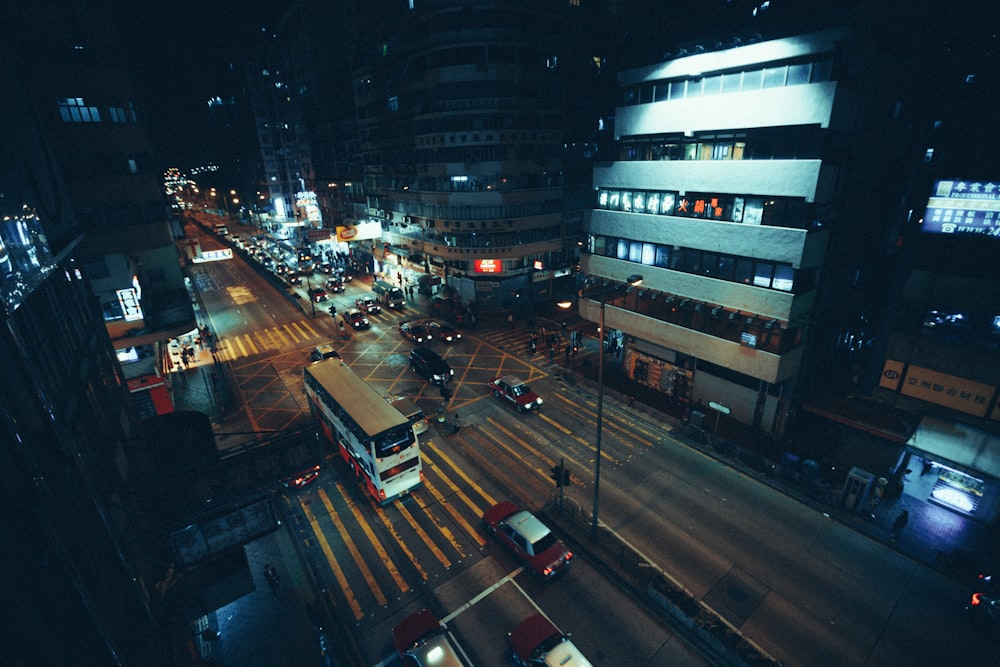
x=737, y=185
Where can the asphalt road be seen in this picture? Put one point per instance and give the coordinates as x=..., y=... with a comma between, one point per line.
x=805, y=588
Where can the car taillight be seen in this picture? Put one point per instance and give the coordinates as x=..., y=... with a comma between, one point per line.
x=381, y=494
x=547, y=571
x=976, y=599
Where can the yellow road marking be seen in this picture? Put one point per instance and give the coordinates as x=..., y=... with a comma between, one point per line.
x=270, y=338
x=239, y=343
x=629, y=436
x=352, y=548
x=305, y=325
x=423, y=535
x=461, y=473
x=332, y=561
x=448, y=506
x=389, y=564
x=251, y=344
x=292, y=334
x=651, y=437
x=553, y=423
x=402, y=545
x=450, y=536
x=302, y=331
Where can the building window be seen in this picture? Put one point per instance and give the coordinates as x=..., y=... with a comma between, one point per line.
x=73, y=110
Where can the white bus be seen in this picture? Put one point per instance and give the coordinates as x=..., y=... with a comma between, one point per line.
x=372, y=436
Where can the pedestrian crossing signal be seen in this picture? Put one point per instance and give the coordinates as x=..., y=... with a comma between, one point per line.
x=560, y=474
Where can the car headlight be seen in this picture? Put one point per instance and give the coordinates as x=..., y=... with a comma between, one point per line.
x=538, y=401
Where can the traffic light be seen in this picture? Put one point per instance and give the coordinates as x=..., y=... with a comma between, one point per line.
x=560, y=474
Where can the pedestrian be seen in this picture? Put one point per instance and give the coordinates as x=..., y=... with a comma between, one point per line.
x=568, y=352
x=457, y=426
x=271, y=574
x=510, y=320
x=564, y=328
x=899, y=524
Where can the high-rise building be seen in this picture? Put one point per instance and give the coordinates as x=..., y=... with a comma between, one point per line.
x=75, y=556
x=477, y=145
x=78, y=82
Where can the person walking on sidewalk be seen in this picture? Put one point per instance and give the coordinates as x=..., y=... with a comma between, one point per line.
x=457, y=425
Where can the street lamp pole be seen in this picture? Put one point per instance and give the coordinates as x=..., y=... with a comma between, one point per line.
x=631, y=281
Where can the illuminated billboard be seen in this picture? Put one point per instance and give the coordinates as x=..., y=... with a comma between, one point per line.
x=488, y=265
x=963, y=207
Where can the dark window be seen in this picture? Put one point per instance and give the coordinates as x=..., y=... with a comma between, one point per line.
x=744, y=271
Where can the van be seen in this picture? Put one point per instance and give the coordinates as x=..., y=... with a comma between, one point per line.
x=428, y=364
x=412, y=412
x=388, y=294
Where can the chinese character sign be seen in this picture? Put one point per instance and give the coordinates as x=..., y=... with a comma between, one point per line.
x=963, y=207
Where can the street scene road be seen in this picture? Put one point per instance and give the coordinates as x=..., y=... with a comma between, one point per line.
x=804, y=588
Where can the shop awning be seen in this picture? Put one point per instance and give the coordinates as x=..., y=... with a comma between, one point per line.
x=968, y=447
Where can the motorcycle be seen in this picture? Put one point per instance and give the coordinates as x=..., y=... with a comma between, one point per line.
x=983, y=603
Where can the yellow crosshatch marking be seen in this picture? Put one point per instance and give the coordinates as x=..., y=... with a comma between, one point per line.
x=383, y=554
x=240, y=294
x=332, y=560
x=359, y=560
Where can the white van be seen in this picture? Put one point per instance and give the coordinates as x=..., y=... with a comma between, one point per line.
x=412, y=412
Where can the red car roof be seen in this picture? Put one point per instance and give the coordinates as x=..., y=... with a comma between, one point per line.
x=500, y=511
x=529, y=633
x=412, y=628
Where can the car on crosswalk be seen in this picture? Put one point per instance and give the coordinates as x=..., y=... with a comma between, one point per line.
x=368, y=305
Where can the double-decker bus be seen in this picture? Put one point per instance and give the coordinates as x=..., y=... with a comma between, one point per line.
x=372, y=436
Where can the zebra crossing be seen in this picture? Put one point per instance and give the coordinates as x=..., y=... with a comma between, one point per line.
x=280, y=337
x=545, y=340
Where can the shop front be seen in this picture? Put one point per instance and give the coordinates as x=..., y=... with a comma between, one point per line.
x=960, y=466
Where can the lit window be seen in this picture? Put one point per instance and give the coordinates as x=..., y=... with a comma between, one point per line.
x=73, y=110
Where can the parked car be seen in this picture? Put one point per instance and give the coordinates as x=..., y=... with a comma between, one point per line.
x=325, y=351
x=444, y=331
x=318, y=294
x=536, y=641
x=369, y=305
x=531, y=540
x=421, y=640
x=415, y=332
x=356, y=319
x=428, y=364
x=515, y=391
